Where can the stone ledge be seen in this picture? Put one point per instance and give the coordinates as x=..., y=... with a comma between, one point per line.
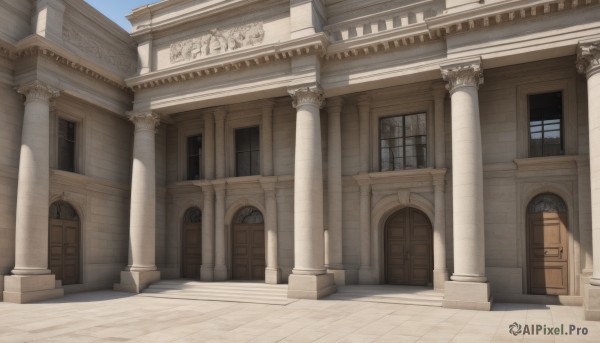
x=467, y=295
x=136, y=282
x=29, y=297
x=22, y=289
x=591, y=303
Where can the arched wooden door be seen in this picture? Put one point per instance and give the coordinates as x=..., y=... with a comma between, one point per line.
x=248, y=253
x=64, y=237
x=191, y=244
x=408, y=248
x=547, y=246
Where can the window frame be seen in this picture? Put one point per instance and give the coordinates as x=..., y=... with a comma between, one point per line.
x=235, y=151
x=236, y=119
x=561, y=129
x=200, y=159
x=404, y=137
x=569, y=115
x=65, y=112
x=399, y=108
x=185, y=129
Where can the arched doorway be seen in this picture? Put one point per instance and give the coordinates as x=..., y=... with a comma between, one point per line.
x=64, y=237
x=408, y=248
x=248, y=252
x=191, y=243
x=547, y=246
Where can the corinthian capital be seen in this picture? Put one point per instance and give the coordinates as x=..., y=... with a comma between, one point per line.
x=38, y=90
x=588, y=58
x=144, y=121
x=307, y=95
x=462, y=75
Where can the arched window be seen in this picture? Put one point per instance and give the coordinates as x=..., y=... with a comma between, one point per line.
x=249, y=215
x=192, y=215
x=62, y=210
x=547, y=202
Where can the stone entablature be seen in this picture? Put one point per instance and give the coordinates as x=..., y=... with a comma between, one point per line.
x=217, y=41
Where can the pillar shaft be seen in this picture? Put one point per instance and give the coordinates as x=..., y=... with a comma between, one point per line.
x=272, y=271
x=209, y=147
x=220, y=142
x=439, y=233
x=220, y=244
x=31, y=236
x=308, y=183
x=267, y=138
x=364, y=113
x=589, y=63
x=334, y=184
x=467, y=174
x=142, y=220
x=208, y=234
x=365, y=226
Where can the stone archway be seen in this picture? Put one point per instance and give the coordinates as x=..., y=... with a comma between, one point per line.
x=248, y=245
x=191, y=243
x=64, y=243
x=408, y=248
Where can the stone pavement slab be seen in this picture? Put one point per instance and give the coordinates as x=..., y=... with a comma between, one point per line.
x=107, y=316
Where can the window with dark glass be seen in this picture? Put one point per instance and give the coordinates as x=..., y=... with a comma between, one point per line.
x=247, y=151
x=545, y=124
x=194, y=157
x=403, y=142
x=66, y=145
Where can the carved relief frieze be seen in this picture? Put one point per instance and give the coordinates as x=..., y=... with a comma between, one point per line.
x=217, y=41
x=121, y=61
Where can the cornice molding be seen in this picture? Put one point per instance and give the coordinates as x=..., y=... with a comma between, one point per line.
x=588, y=58
x=233, y=61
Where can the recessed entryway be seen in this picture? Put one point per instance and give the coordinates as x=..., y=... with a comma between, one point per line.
x=408, y=248
x=191, y=243
x=64, y=236
x=547, y=246
x=248, y=241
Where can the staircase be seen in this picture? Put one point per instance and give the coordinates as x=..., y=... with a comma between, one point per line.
x=232, y=291
x=406, y=295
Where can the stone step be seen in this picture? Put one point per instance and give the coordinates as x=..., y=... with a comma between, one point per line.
x=407, y=295
x=217, y=292
x=387, y=300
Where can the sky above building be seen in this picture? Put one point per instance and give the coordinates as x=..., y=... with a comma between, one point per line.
x=116, y=10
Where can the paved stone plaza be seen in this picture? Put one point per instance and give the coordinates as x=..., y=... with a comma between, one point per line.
x=107, y=316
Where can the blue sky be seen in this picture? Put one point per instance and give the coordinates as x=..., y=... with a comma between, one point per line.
x=118, y=9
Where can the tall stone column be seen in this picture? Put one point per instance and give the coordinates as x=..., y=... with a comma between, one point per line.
x=208, y=234
x=209, y=147
x=469, y=288
x=309, y=279
x=334, y=191
x=440, y=272
x=142, y=270
x=220, y=114
x=31, y=279
x=272, y=271
x=220, y=243
x=588, y=63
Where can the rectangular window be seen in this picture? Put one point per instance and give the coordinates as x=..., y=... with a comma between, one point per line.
x=247, y=151
x=66, y=145
x=545, y=124
x=194, y=157
x=403, y=142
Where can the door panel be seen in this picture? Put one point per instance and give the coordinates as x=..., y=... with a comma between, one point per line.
x=63, y=251
x=408, y=248
x=548, y=253
x=191, y=259
x=248, y=252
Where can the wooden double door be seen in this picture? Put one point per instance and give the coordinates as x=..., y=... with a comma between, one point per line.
x=248, y=262
x=408, y=248
x=64, y=250
x=191, y=252
x=547, y=253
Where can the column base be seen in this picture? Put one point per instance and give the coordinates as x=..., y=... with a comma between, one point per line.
x=310, y=286
x=207, y=273
x=591, y=302
x=467, y=295
x=273, y=276
x=20, y=289
x=365, y=276
x=439, y=279
x=136, y=282
x=220, y=273
x=339, y=276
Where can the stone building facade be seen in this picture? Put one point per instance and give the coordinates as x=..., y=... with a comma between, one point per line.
x=310, y=142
